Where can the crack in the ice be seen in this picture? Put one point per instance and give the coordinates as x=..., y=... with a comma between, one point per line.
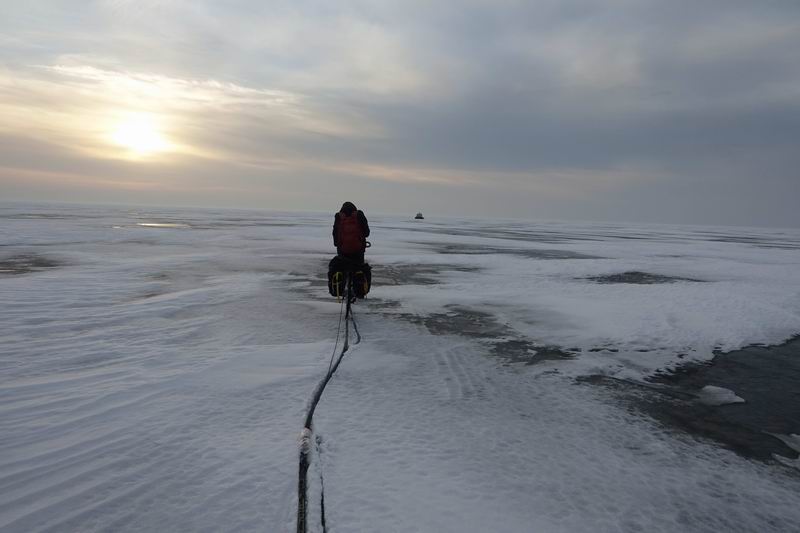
x=305, y=444
x=321, y=487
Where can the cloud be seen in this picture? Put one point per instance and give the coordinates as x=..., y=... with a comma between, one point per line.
x=77, y=105
x=602, y=107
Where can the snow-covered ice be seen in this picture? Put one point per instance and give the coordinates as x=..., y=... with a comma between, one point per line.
x=157, y=365
x=793, y=441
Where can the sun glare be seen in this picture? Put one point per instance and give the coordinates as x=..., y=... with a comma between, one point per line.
x=140, y=134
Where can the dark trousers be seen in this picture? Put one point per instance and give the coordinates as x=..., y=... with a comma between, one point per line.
x=354, y=260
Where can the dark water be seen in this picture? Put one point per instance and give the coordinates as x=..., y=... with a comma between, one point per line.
x=502, y=341
x=766, y=377
x=638, y=278
x=472, y=249
x=26, y=263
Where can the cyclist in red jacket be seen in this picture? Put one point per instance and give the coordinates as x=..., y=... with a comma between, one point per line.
x=350, y=232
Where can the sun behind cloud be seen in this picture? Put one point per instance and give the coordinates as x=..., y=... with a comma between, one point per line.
x=140, y=134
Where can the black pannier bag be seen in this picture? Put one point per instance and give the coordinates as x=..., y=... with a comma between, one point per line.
x=336, y=277
x=362, y=280
x=338, y=269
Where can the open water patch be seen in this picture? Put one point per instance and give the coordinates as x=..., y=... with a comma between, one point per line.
x=407, y=274
x=26, y=264
x=530, y=253
x=762, y=407
x=501, y=340
x=766, y=377
x=636, y=277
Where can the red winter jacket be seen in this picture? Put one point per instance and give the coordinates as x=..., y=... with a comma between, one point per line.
x=350, y=232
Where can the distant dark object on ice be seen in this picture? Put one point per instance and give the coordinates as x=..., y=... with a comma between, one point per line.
x=639, y=278
x=419, y=216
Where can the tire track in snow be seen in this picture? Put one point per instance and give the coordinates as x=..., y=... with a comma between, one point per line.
x=460, y=382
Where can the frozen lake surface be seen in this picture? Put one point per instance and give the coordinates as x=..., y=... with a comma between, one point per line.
x=156, y=366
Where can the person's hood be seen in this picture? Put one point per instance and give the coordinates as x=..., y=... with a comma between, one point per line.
x=348, y=208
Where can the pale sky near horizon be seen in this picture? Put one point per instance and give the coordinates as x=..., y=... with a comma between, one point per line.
x=624, y=110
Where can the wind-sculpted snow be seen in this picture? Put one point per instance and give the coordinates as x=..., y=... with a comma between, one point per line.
x=156, y=366
x=628, y=299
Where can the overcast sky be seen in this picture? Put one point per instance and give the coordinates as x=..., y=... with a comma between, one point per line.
x=626, y=110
